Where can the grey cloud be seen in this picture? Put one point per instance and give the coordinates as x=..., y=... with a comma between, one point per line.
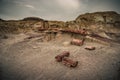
x=52, y=10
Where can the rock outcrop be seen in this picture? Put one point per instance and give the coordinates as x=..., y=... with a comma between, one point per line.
x=101, y=23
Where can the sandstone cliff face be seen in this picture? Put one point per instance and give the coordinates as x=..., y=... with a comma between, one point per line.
x=56, y=24
x=106, y=24
x=26, y=24
x=17, y=26
x=102, y=23
x=99, y=21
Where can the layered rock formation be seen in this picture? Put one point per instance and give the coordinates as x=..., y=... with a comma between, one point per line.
x=105, y=24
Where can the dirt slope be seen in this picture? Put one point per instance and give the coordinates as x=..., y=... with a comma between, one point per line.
x=34, y=60
x=26, y=53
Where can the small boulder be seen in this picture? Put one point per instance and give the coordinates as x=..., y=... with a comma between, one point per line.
x=90, y=48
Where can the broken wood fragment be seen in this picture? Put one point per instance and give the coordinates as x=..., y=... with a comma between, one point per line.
x=69, y=62
x=61, y=56
x=77, y=42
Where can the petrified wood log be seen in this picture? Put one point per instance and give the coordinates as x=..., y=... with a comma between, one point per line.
x=80, y=31
x=61, y=56
x=68, y=62
x=77, y=42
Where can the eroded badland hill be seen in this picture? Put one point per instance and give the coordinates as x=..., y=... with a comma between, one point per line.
x=28, y=48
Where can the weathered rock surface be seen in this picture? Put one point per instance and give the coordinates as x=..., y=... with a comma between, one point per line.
x=28, y=55
x=101, y=23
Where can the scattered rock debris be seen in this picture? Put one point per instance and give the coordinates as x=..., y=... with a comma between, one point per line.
x=63, y=57
x=69, y=62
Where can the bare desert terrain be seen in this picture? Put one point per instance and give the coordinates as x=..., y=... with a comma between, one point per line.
x=33, y=59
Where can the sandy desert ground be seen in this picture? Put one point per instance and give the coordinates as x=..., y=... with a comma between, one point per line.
x=35, y=60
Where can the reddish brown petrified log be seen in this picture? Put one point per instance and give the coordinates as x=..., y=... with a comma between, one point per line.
x=80, y=31
x=77, y=42
x=61, y=56
x=68, y=62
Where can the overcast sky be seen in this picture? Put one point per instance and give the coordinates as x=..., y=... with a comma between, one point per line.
x=54, y=9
